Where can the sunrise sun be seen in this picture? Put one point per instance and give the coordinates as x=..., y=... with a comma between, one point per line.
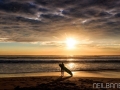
x=70, y=43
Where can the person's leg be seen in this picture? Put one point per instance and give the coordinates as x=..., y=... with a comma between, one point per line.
x=63, y=73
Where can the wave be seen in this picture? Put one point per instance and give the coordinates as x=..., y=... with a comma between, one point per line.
x=59, y=61
x=59, y=57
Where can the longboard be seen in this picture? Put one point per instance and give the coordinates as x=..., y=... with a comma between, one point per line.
x=66, y=69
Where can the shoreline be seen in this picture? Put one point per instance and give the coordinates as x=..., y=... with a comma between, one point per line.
x=101, y=74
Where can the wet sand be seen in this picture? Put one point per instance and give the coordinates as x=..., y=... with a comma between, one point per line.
x=55, y=82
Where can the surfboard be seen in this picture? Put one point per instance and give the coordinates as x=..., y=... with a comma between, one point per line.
x=66, y=69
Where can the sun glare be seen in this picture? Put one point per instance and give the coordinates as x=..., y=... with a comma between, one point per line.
x=70, y=43
x=71, y=65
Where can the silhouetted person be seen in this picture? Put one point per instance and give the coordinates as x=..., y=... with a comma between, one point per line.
x=62, y=70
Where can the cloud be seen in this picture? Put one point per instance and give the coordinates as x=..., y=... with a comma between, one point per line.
x=40, y=20
x=16, y=7
x=43, y=10
x=3, y=39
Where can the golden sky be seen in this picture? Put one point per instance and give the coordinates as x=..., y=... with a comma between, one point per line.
x=67, y=27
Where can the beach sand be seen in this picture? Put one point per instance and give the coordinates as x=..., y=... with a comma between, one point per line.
x=48, y=82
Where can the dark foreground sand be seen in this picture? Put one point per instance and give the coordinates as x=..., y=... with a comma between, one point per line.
x=56, y=83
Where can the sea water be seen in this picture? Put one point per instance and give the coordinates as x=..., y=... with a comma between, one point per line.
x=36, y=64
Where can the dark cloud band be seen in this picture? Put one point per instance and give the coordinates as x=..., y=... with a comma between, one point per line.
x=35, y=20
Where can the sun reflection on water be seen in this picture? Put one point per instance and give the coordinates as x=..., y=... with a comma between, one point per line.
x=70, y=59
x=71, y=65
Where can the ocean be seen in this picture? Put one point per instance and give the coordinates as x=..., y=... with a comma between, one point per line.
x=36, y=64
